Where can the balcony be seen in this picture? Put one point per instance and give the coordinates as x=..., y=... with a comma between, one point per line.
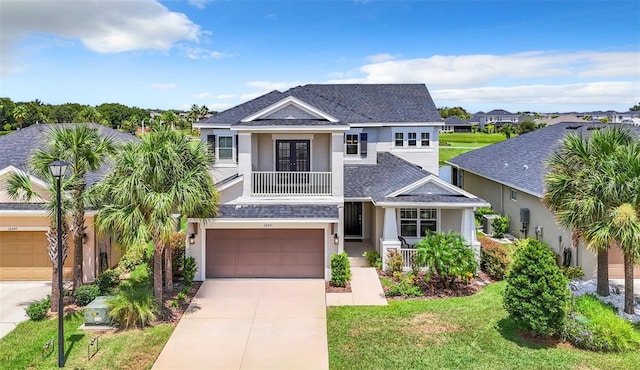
x=290, y=184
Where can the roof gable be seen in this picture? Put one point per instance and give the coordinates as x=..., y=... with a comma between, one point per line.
x=289, y=108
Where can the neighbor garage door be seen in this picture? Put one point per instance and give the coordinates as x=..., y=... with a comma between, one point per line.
x=616, y=265
x=265, y=253
x=23, y=256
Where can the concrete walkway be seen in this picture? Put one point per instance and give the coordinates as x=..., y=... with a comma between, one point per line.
x=251, y=324
x=15, y=296
x=365, y=290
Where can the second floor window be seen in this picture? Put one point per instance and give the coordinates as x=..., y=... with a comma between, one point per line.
x=225, y=147
x=351, y=144
x=411, y=139
x=424, y=139
x=399, y=139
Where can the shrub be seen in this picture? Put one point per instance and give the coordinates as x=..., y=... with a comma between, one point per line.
x=500, y=226
x=38, y=310
x=494, y=258
x=108, y=280
x=405, y=286
x=395, y=263
x=595, y=326
x=572, y=273
x=536, y=294
x=130, y=260
x=85, y=294
x=446, y=255
x=134, y=304
x=181, y=296
x=189, y=269
x=480, y=212
x=177, y=244
x=340, y=271
x=374, y=259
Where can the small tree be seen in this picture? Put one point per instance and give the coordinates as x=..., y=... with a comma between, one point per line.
x=536, y=296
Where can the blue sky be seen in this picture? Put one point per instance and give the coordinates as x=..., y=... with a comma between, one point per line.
x=546, y=56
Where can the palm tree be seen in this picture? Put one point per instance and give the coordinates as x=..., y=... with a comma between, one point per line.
x=19, y=187
x=163, y=174
x=90, y=114
x=572, y=190
x=85, y=150
x=508, y=130
x=20, y=113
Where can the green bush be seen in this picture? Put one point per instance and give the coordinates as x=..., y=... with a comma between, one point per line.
x=480, y=212
x=374, y=259
x=108, y=280
x=494, y=258
x=134, y=304
x=181, y=296
x=85, y=294
x=395, y=263
x=595, y=326
x=446, y=255
x=340, y=270
x=403, y=285
x=572, y=273
x=500, y=226
x=132, y=258
x=536, y=295
x=38, y=310
x=189, y=269
x=177, y=245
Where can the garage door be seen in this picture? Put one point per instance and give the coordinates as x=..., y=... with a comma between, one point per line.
x=265, y=253
x=616, y=265
x=23, y=256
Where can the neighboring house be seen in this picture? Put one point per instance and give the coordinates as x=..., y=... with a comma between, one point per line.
x=630, y=117
x=303, y=173
x=510, y=175
x=496, y=117
x=23, y=226
x=548, y=121
x=455, y=124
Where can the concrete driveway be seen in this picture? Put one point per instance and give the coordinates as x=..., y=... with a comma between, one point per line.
x=251, y=324
x=15, y=296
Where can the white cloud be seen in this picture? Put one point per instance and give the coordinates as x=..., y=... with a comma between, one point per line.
x=378, y=58
x=200, y=4
x=196, y=52
x=101, y=26
x=161, y=86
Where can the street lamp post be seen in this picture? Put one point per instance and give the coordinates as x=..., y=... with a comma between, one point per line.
x=58, y=169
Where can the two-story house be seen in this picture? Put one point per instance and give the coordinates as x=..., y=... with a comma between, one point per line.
x=495, y=117
x=320, y=169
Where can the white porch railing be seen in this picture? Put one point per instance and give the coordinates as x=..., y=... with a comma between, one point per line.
x=283, y=183
x=407, y=256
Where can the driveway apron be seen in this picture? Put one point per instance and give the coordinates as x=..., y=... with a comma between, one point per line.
x=15, y=296
x=251, y=324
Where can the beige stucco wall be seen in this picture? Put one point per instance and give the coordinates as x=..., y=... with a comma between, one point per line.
x=552, y=234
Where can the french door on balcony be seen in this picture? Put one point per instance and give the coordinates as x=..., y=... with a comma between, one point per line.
x=293, y=155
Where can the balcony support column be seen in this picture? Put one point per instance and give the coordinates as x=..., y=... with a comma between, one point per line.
x=244, y=161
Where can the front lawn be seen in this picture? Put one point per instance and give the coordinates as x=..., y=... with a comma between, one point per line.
x=455, y=333
x=468, y=137
x=133, y=349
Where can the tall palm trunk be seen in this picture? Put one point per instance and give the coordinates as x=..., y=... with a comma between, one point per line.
x=78, y=233
x=628, y=283
x=603, y=273
x=55, y=292
x=168, y=270
x=158, y=247
x=52, y=239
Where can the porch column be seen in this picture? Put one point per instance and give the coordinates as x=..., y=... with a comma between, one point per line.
x=244, y=161
x=389, y=234
x=468, y=230
x=337, y=164
x=340, y=227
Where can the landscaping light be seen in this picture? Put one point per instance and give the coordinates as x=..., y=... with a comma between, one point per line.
x=58, y=169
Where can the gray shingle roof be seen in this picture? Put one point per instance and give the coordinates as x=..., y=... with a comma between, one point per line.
x=289, y=122
x=375, y=181
x=520, y=161
x=17, y=147
x=349, y=103
x=455, y=121
x=435, y=198
x=294, y=211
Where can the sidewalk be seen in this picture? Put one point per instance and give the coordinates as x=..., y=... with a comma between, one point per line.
x=365, y=290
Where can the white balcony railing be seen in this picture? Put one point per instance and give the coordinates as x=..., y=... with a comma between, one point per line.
x=284, y=184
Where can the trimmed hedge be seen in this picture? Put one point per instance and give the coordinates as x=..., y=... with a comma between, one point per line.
x=340, y=270
x=495, y=258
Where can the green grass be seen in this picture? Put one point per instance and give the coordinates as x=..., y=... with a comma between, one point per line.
x=135, y=349
x=463, y=137
x=447, y=153
x=456, y=144
x=456, y=333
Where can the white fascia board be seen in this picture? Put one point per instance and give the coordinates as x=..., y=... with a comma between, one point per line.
x=230, y=183
x=276, y=128
x=211, y=125
x=432, y=205
x=264, y=220
x=364, y=199
x=35, y=180
x=500, y=182
x=286, y=101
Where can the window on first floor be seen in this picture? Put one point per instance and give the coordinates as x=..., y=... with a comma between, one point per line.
x=415, y=222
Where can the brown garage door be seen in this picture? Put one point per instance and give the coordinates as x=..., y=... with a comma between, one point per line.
x=616, y=265
x=265, y=253
x=23, y=256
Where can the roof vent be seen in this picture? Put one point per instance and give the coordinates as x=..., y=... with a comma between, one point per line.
x=525, y=167
x=506, y=164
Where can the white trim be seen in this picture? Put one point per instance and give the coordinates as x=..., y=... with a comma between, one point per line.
x=290, y=100
x=271, y=128
x=241, y=221
x=432, y=205
x=205, y=125
x=229, y=184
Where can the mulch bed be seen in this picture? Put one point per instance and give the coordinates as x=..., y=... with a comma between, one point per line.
x=435, y=288
x=172, y=312
x=337, y=289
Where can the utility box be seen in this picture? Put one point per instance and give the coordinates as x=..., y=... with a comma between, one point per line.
x=97, y=312
x=487, y=226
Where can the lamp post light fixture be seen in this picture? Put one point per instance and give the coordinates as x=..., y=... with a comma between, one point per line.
x=58, y=169
x=336, y=239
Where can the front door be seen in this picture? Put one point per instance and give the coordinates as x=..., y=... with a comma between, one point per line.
x=293, y=155
x=353, y=219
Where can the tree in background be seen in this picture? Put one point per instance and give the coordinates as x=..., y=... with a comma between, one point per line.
x=526, y=126
x=89, y=114
x=169, y=118
x=459, y=112
x=635, y=108
x=20, y=113
x=508, y=130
